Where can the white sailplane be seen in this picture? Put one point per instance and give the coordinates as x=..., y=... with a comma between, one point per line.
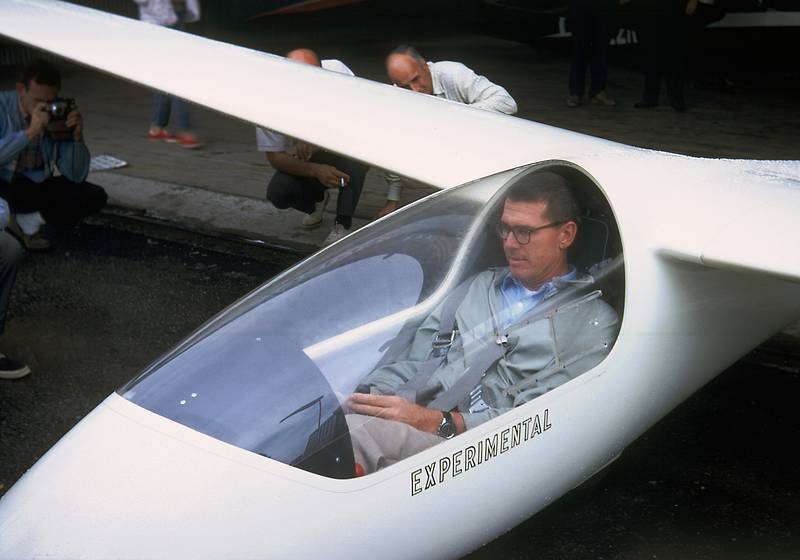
x=233, y=444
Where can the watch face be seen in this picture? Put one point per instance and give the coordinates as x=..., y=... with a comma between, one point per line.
x=447, y=428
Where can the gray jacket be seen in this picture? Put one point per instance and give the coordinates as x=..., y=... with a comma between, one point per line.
x=543, y=352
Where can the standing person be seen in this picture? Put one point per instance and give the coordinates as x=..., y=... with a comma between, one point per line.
x=449, y=80
x=10, y=254
x=590, y=24
x=305, y=174
x=664, y=35
x=173, y=14
x=43, y=160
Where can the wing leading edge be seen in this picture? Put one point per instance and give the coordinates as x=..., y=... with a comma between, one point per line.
x=438, y=142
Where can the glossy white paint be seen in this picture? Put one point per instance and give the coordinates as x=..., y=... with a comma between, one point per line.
x=711, y=271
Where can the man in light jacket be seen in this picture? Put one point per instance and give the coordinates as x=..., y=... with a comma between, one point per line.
x=449, y=80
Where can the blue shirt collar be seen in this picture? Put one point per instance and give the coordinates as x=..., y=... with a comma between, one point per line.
x=509, y=283
x=518, y=300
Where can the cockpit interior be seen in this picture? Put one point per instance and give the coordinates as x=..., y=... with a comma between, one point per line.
x=270, y=373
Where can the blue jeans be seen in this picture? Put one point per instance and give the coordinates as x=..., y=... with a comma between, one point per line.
x=166, y=105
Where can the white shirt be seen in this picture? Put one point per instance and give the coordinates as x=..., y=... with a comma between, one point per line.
x=161, y=12
x=457, y=82
x=270, y=141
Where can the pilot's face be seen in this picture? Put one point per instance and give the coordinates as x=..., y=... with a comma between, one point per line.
x=33, y=94
x=544, y=256
x=408, y=73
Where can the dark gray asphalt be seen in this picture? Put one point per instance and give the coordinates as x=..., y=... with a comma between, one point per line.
x=91, y=314
x=716, y=479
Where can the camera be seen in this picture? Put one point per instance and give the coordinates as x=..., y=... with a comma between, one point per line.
x=58, y=109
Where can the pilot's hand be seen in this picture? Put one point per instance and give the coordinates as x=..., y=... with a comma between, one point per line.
x=303, y=150
x=40, y=118
x=397, y=409
x=75, y=122
x=329, y=176
x=388, y=208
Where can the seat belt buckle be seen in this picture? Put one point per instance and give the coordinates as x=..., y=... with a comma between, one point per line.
x=502, y=341
x=441, y=344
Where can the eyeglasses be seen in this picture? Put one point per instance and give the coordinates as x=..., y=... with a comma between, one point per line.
x=522, y=233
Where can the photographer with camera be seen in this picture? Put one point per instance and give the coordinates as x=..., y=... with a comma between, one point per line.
x=43, y=160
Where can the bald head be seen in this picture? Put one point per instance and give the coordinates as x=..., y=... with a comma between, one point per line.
x=306, y=56
x=408, y=70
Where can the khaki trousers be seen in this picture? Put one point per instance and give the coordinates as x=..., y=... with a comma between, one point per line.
x=378, y=443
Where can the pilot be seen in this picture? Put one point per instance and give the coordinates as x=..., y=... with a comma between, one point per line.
x=43, y=174
x=439, y=389
x=449, y=80
x=304, y=174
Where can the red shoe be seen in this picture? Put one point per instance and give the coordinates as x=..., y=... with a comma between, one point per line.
x=162, y=134
x=187, y=141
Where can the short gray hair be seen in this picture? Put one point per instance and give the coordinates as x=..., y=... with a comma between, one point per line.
x=409, y=50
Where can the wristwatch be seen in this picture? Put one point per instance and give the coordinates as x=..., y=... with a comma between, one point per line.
x=447, y=429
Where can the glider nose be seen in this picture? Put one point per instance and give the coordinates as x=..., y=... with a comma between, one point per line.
x=126, y=483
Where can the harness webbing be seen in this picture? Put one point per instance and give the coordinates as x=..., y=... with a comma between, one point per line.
x=411, y=390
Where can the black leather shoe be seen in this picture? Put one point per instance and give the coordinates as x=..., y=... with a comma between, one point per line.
x=645, y=104
x=679, y=106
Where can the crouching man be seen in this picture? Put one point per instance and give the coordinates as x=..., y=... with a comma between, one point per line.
x=43, y=159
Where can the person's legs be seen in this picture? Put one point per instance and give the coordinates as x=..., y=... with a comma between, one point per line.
x=599, y=30
x=11, y=253
x=581, y=37
x=183, y=114
x=24, y=202
x=650, y=37
x=21, y=195
x=185, y=137
x=675, y=61
x=348, y=195
x=300, y=193
x=351, y=193
x=378, y=443
x=180, y=109
x=160, y=114
x=64, y=203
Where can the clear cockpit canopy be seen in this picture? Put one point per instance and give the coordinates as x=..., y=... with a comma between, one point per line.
x=270, y=373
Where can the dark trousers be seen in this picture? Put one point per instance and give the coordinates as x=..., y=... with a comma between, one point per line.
x=302, y=193
x=590, y=35
x=61, y=202
x=11, y=252
x=664, y=39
